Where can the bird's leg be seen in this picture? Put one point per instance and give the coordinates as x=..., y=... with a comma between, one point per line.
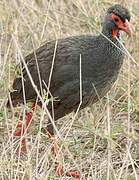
x=55, y=149
x=58, y=155
x=21, y=130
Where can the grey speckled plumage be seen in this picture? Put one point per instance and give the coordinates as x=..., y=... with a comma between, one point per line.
x=100, y=60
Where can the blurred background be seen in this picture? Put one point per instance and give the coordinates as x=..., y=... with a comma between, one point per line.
x=103, y=141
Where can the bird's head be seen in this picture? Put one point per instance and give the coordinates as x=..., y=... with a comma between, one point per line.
x=117, y=18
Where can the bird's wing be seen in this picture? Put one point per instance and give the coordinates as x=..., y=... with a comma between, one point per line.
x=64, y=54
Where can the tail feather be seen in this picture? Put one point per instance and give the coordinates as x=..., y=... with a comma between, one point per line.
x=15, y=97
x=17, y=84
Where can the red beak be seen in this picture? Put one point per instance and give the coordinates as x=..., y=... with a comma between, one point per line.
x=125, y=27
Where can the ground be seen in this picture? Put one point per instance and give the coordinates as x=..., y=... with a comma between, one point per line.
x=102, y=141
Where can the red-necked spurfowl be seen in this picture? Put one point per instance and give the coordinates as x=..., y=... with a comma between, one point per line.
x=90, y=62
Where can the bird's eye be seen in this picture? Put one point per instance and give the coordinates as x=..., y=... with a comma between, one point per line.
x=116, y=19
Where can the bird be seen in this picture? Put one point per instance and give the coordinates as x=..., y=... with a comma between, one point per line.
x=66, y=67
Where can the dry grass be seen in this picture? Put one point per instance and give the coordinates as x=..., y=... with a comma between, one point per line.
x=101, y=141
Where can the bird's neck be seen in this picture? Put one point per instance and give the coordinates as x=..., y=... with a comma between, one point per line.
x=111, y=43
x=110, y=33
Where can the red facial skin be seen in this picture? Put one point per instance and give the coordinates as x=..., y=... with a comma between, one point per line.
x=124, y=26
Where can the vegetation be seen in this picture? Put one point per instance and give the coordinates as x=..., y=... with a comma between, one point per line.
x=102, y=141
